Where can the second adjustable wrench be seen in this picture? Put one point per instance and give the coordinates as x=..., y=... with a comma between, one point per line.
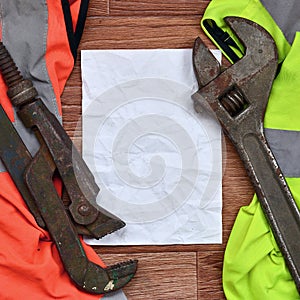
x=238, y=97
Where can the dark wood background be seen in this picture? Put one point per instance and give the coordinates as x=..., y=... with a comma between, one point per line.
x=165, y=272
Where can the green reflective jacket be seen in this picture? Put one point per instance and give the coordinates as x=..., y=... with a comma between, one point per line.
x=254, y=268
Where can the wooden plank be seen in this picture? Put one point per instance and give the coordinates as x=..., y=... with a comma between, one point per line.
x=163, y=276
x=157, y=7
x=159, y=248
x=237, y=188
x=72, y=95
x=98, y=8
x=141, y=32
x=210, y=275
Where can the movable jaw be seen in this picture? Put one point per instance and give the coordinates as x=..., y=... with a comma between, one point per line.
x=260, y=49
x=244, y=87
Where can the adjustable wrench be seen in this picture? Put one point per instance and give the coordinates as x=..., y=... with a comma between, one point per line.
x=237, y=97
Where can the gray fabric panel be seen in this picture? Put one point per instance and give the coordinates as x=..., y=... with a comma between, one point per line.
x=119, y=295
x=24, y=33
x=286, y=14
x=285, y=145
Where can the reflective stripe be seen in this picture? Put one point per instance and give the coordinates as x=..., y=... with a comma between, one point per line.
x=285, y=145
x=25, y=27
x=286, y=14
x=24, y=33
x=119, y=295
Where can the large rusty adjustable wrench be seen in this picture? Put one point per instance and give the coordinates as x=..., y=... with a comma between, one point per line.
x=34, y=178
x=237, y=97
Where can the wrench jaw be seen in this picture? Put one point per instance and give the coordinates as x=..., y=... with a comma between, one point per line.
x=108, y=279
x=254, y=72
x=206, y=68
x=205, y=65
x=121, y=273
x=259, y=46
x=235, y=93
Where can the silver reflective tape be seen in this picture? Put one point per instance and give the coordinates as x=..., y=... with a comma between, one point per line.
x=286, y=14
x=119, y=295
x=285, y=145
x=24, y=33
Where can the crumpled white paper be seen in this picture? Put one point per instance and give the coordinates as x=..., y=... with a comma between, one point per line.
x=157, y=162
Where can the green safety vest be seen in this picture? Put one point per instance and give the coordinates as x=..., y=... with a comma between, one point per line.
x=253, y=265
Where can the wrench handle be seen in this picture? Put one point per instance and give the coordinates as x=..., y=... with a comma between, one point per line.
x=59, y=225
x=275, y=197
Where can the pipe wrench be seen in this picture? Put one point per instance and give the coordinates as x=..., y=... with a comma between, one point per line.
x=237, y=97
x=33, y=177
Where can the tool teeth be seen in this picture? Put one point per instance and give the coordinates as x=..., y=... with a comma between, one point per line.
x=108, y=227
x=98, y=280
x=123, y=268
x=120, y=274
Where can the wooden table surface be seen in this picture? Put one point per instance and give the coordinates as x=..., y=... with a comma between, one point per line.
x=165, y=272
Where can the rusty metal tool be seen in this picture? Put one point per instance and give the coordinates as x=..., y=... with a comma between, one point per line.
x=34, y=178
x=237, y=97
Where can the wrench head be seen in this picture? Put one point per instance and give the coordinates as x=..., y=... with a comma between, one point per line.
x=97, y=280
x=247, y=83
x=260, y=48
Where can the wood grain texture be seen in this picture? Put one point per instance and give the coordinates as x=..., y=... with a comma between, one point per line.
x=157, y=7
x=165, y=272
x=210, y=274
x=161, y=275
x=98, y=8
x=141, y=32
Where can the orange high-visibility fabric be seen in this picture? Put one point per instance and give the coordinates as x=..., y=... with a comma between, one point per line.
x=30, y=266
x=59, y=59
x=74, y=7
x=4, y=100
